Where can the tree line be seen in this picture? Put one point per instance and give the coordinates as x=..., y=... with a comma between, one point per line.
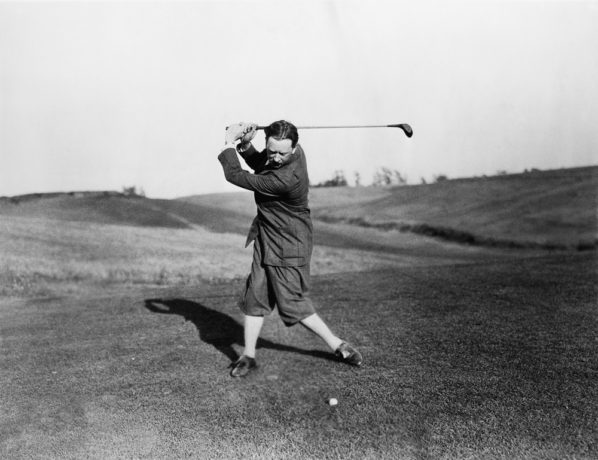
x=382, y=177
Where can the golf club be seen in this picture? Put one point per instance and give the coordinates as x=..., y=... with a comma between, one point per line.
x=404, y=126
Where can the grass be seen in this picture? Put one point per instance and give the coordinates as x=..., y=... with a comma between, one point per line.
x=39, y=253
x=118, y=320
x=555, y=209
x=492, y=360
x=544, y=209
x=49, y=251
x=463, y=237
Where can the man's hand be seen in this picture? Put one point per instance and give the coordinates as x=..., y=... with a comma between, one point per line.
x=234, y=133
x=249, y=130
x=243, y=132
x=249, y=134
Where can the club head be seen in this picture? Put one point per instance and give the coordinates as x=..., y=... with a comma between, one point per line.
x=405, y=127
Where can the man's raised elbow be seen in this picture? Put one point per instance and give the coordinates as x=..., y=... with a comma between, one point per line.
x=232, y=177
x=229, y=177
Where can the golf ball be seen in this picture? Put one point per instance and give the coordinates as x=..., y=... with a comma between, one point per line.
x=333, y=401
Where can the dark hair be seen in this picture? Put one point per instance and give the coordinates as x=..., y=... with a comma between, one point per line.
x=281, y=130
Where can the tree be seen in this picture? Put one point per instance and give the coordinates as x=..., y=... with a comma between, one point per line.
x=357, y=179
x=338, y=180
x=133, y=191
x=399, y=179
x=382, y=177
x=386, y=176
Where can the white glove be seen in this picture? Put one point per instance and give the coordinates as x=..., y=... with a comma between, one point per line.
x=234, y=133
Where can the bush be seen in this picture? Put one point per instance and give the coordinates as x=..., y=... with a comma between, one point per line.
x=386, y=176
x=338, y=180
x=133, y=191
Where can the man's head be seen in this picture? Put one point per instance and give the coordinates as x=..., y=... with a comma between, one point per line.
x=281, y=140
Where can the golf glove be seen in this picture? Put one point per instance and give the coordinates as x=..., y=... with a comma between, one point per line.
x=243, y=132
x=233, y=133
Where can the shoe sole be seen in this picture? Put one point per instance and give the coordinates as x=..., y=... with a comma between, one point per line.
x=244, y=374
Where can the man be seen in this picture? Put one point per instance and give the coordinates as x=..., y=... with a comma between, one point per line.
x=281, y=235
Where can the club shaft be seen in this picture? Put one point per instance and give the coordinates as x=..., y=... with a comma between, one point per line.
x=404, y=126
x=339, y=126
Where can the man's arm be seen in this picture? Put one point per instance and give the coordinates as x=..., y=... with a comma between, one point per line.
x=255, y=159
x=268, y=184
x=238, y=136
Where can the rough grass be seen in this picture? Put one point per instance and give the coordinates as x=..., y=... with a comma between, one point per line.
x=486, y=360
x=463, y=237
x=551, y=209
x=40, y=252
x=544, y=209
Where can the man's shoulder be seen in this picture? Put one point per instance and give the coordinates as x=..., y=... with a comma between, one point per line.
x=300, y=165
x=296, y=168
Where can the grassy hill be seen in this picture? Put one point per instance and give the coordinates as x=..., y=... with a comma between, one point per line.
x=119, y=209
x=555, y=208
x=544, y=209
x=550, y=209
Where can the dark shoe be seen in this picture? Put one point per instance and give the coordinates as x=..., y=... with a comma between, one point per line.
x=243, y=366
x=348, y=354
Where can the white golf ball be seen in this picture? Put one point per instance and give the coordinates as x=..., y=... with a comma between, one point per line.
x=333, y=401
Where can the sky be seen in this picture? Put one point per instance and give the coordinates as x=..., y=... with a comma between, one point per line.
x=103, y=95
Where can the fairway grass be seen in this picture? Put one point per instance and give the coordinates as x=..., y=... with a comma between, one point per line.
x=493, y=359
x=40, y=255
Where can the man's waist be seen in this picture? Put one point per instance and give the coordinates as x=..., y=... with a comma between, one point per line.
x=284, y=208
x=267, y=218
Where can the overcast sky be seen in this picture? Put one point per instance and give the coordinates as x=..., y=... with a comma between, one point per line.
x=101, y=95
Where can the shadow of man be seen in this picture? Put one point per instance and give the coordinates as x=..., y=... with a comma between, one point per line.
x=218, y=329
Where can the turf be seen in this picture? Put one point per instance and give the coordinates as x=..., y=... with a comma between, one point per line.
x=493, y=359
x=43, y=255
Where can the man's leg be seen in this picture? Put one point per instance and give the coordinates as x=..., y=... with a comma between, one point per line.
x=255, y=303
x=253, y=326
x=244, y=365
x=315, y=324
x=341, y=349
x=291, y=289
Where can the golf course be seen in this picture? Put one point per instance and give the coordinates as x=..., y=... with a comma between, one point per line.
x=473, y=302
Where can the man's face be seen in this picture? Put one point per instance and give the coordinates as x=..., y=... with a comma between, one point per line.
x=279, y=151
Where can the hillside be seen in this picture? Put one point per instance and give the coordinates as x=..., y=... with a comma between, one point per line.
x=543, y=209
x=118, y=209
x=551, y=209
